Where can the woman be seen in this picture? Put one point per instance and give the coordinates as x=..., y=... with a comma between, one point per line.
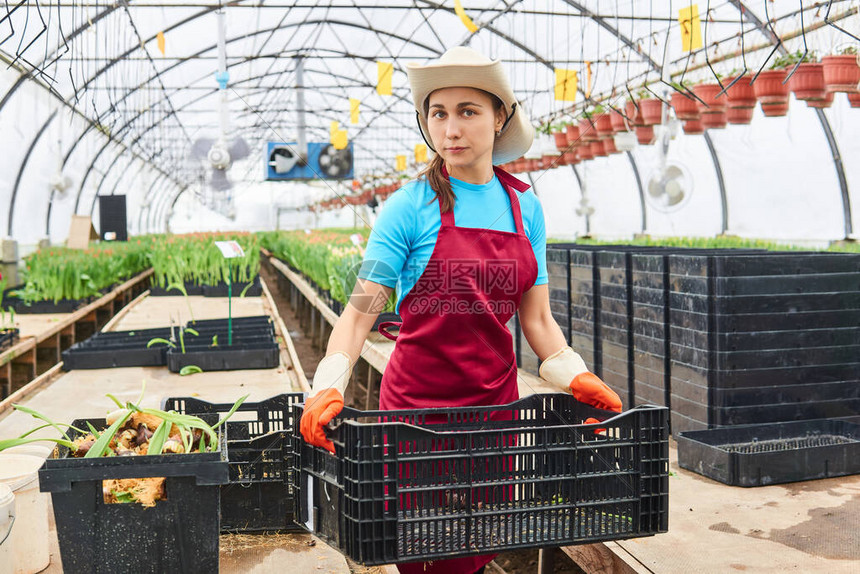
x=466, y=247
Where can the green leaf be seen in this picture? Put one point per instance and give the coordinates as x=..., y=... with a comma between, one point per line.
x=190, y=370
x=10, y=442
x=102, y=444
x=235, y=407
x=160, y=340
x=93, y=430
x=42, y=417
x=245, y=290
x=192, y=331
x=156, y=441
x=115, y=400
x=124, y=497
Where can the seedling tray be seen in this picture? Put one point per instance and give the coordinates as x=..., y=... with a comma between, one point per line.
x=178, y=534
x=259, y=496
x=758, y=455
x=8, y=337
x=220, y=290
x=261, y=355
x=429, y=484
x=190, y=288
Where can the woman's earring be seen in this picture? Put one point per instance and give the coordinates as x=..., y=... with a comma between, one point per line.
x=498, y=133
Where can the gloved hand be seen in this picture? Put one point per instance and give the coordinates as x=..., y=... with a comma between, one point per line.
x=566, y=369
x=326, y=399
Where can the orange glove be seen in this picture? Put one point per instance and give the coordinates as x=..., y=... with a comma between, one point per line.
x=326, y=401
x=588, y=388
x=566, y=369
x=319, y=410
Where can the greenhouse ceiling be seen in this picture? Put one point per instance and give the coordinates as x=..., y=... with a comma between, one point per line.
x=97, y=95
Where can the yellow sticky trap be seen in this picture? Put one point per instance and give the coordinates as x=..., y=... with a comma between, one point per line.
x=340, y=139
x=353, y=110
x=691, y=28
x=384, y=71
x=400, y=162
x=420, y=153
x=565, y=85
x=162, y=42
x=464, y=18
x=588, y=79
x=332, y=128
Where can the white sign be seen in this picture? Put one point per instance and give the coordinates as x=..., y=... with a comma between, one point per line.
x=230, y=249
x=356, y=239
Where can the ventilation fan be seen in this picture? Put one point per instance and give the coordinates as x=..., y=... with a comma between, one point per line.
x=670, y=185
x=335, y=163
x=220, y=152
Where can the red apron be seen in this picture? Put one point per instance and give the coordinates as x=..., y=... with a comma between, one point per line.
x=454, y=348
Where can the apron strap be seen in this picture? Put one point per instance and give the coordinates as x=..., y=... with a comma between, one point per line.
x=383, y=329
x=515, y=207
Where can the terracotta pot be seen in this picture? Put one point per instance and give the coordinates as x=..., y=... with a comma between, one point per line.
x=617, y=121
x=519, y=165
x=534, y=164
x=740, y=116
x=587, y=132
x=584, y=152
x=708, y=94
x=774, y=109
x=714, y=121
x=741, y=94
x=549, y=161
x=603, y=125
x=632, y=111
x=686, y=108
x=651, y=110
x=772, y=93
x=645, y=135
x=560, y=140
x=572, y=134
x=854, y=99
x=609, y=146
x=824, y=102
x=570, y=157
x=694, y=127
x=841, y=73
x=807, y=82
x=597, y=149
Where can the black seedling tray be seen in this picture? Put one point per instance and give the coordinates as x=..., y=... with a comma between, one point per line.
x=179, y=534
x=118, y=349
x=244, y=322
x=259, y=496
x=8, y=338
x=220, y=290
x=191, y=289
x=263, y=355
x=757, y=455
x=430, y=484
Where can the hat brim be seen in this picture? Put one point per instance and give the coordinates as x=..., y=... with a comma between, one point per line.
x=517, y=136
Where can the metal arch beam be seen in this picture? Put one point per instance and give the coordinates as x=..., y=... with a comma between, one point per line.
x=147, y=206
x=848, y=224
x=153, y=208
x=635, y=169
x=21, y=171
x=158, y=203
x=724, y=203
x=612, y=30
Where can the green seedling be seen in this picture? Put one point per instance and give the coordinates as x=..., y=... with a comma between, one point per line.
x=190, y=370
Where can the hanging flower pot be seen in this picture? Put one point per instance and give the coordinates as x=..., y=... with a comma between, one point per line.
x=632, y=110
x=534, y=165
x=645, y=135
x=772, y=93
x=686, y=108
x=587, y=132
x=708, y=94
x=807, y=82
x=694, y=127
x=741, y=94
x=854, y=99
x=651, y=111
x=714, y=120
x=740, y=116
x=572, y=133
x=570, y=157
x=603, y=125
x=549, y=161
x=617, y=121
x=823, y=103
x=597, y=149
x=609, y=146
x=841, y=73
x=519, y=165
x=560, y=140
x=584, y=152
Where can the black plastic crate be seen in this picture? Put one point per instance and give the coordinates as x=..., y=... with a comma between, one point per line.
x=191, y=289
x=178, y=534
x=430, y=484
x=758, y=455
x=239, y=356
x=259, y=496
x=220, y=290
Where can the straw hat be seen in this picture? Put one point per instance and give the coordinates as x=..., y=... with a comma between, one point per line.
x=464, y=67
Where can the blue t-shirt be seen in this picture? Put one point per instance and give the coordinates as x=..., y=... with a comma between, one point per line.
x=405, y=232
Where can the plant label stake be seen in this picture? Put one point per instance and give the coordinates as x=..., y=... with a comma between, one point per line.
x=230, y=250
